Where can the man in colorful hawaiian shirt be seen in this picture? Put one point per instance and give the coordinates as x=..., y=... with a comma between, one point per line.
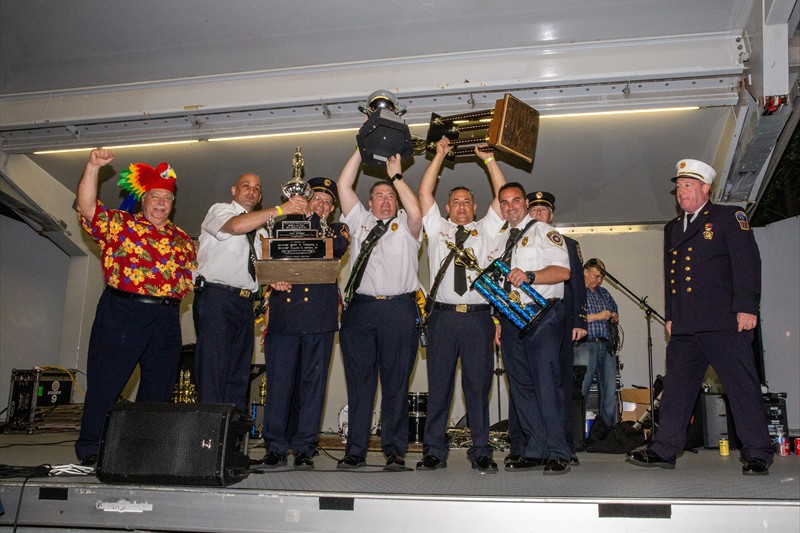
x=147, y=267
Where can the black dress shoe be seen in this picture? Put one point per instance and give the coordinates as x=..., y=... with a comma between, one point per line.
x=351, y=461
x=648, y=458
x=303, y=461
x=573, y=460
x=485, y=465
x=512, y=458
x=755, y=467
x=89, y=460
x=274, y=459
x=555, y=466
x=525, y=463
x=429, y=462
x=395, y=463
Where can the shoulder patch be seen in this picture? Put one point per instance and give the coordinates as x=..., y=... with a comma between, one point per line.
x=578, y=250
x=555, y=237
x=741, y=218
x=345, y=231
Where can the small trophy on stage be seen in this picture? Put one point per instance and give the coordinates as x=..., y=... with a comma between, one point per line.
x=513, y=127
x=295, y=251
x=509, y=303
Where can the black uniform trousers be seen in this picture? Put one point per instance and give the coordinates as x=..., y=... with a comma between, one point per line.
x=378, y=337
x=534, y=378
x=126, y=333
x=223, y=322
x=731, y=355
x=297, y=373
x=468, y=336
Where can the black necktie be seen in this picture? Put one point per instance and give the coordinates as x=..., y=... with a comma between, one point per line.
x=513, y=236
x=360, y=264
x=459, y=272
x=251, y=260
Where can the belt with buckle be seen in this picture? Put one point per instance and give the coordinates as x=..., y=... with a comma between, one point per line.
x=244, y=293
x=461, y=308
x=144, y=298
x=597, y=339
x=358, y=296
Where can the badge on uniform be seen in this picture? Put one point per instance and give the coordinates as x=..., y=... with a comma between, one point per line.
x=741, y=218
x=556, y=238
x=525, y=241
x=474, y=233
x=394, y=226
x=708, y=231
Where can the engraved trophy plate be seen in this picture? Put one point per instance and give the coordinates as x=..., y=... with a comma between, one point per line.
x=308, y=272
x=512, y=127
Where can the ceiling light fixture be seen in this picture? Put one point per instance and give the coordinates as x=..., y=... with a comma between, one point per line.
x=117, y=147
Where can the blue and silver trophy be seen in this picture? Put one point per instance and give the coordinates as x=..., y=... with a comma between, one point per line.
x=509, y=303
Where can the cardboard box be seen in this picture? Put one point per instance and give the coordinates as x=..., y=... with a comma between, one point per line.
x=635, y=403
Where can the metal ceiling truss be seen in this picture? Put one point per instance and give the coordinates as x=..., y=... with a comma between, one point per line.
x=325, y=115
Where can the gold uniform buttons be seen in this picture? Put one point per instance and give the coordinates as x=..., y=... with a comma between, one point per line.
x=687, y=269
x=690, y=248
x=671, y=270
x=674, y=291
x=688, y=278
x=688, y=289
x=306, y=289
x=288, y=299
x=674, y=252
x=673, y=261
x=688, y=258
x=305, y=299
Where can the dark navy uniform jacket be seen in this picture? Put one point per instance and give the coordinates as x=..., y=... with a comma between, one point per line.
x=575, y=288
x=307, y=309
x=712, y=271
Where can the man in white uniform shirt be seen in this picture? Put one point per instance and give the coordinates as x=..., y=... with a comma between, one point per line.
x=460, y=323
x=225, y=288
x=378, y=335
x=538, y=257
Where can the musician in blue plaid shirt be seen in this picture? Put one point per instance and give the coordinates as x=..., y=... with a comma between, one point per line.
x=594, y=350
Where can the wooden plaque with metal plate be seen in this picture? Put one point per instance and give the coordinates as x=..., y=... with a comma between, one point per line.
x=513, y=128
x=297, y=260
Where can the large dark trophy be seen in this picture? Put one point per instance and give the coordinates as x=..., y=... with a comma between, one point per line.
x=509, y=303
x=294, y=251
x=384, y=133
x=512, y=127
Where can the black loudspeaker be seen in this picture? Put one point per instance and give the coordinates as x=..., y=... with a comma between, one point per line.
x=173, y=444
x=716, y=422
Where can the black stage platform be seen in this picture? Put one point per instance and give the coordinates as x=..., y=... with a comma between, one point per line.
x=705, y=493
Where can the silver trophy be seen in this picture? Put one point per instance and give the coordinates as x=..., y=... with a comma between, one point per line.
x=509, y=303
x=296, y=186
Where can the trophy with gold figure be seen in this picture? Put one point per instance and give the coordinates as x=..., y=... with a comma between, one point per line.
x=296, y=252
x=509, y=303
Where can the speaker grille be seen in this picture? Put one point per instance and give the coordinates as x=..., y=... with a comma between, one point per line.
x=188, y=444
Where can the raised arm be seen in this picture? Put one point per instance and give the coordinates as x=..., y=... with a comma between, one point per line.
x=496, y=175
x=347, y=194
x=406, y=196
x=428, y=183
x=87, y=187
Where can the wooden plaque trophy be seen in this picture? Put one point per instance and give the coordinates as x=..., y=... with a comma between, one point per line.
x=513, y=127
x=294, y=251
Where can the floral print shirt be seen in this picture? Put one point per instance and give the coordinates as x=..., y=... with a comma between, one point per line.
x=140, y=258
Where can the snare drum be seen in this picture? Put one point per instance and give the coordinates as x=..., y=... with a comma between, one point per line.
x=417, y=414
x=417, y=403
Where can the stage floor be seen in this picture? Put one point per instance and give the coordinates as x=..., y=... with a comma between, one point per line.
x=706, y=492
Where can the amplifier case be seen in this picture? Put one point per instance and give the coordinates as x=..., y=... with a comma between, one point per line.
x=32, y=388
x=173, y=444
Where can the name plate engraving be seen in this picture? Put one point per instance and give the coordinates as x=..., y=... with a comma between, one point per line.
x=302, y=248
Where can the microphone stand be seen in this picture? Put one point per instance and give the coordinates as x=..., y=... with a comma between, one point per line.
x=648, y=313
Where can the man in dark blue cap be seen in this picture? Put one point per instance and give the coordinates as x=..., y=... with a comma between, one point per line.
x=542, y=206
x=303, y=320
